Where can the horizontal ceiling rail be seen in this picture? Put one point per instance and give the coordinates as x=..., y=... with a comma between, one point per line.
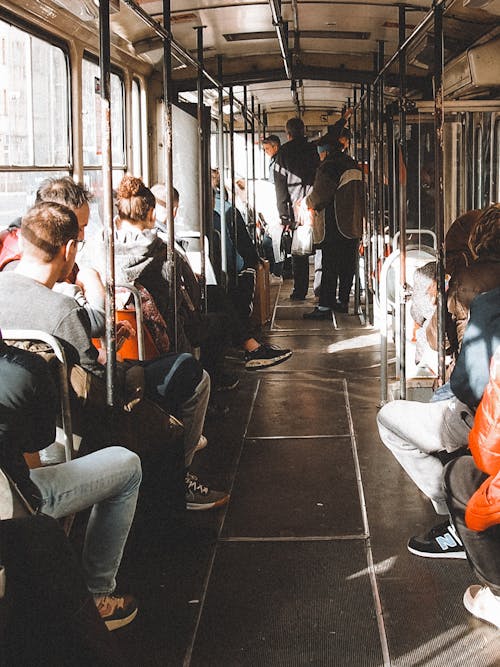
x=180, y=51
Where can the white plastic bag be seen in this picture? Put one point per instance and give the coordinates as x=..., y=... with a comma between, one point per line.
x=302, y=240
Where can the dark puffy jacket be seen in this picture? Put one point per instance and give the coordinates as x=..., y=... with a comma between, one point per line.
x=294, y=170
x=28, y=408
x=326, y=182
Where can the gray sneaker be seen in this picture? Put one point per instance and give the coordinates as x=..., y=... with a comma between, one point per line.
x=200, y=497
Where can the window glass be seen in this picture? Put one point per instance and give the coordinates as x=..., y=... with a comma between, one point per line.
x=34, y=109
x=17, y=192
x=34, y=118
x=91, y=113
x=136, y=130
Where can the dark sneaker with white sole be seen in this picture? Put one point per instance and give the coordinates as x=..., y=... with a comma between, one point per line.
x=115, y=610
x=265, y=356
x=442, y=541
x=200, y=497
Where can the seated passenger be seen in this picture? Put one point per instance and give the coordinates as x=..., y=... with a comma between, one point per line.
x=474, y=502
x=177, y=383
x=418, y=434
x=257, y=355
x=481, y=274
x=107, y=480
x=82, y=284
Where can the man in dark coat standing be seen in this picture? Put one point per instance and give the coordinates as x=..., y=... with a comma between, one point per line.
x=337, y=191
x=294, y=170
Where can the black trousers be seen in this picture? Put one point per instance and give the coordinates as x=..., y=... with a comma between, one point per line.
x=48, y=617
x=300, y=269
x=338, y=266
x=462, y=479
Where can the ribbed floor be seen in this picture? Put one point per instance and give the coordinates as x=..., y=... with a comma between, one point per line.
x=298, y=570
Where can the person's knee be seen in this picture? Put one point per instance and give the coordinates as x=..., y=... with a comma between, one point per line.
x=126, y=460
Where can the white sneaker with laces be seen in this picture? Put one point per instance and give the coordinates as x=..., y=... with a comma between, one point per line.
x=481, y=603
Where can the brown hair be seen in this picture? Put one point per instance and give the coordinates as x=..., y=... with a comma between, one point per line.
x=295, y=127
x=48, y=226
x=484, y=239
x=134, y=199
x=63, y=191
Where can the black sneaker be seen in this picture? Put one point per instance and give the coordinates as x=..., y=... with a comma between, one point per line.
x=265, y=356
x=200, y=497
x=115, y=610
x=318, y=314
x=226, y=382
x=440, y=542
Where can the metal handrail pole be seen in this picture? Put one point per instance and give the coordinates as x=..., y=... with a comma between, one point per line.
x=222, y=189
x=168, y=158
x=439, y=186
x=402, y=204
x=201, y=165
x=107, y=193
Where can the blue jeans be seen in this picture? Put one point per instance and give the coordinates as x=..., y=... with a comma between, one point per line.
x=183, y=391
x=108, y=481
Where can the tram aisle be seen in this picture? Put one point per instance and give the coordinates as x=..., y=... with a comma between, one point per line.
x=295, y=571
x=289, y=584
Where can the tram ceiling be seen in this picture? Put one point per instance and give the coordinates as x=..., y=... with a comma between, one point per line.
x=334, y=42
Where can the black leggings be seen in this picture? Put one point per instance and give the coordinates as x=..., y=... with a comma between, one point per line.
x=462, y=479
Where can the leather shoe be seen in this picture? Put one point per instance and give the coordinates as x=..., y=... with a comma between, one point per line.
x=297, y=297
x=341, y=307
x=318, y=314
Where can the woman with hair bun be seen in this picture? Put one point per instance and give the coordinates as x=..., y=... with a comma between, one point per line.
x=177, y=382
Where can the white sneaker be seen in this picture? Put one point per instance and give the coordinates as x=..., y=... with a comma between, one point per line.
x=481, y=603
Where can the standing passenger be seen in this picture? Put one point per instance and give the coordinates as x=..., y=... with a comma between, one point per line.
x=339, y=246
x=294, y=170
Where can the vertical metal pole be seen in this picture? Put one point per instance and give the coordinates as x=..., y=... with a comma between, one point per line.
x=380, y=152
x=247, y=169
x=254, y=206
x=202, y=165
x=231, y=157
x=167, y=144
x=354, y=153
x=369, y=209
x=402, y=208
x=107, y=194
x=366, y=237
x=222, y=200
x=439, y=183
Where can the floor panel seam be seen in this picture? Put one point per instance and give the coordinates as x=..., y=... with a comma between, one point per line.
x=384, y=644
x=189, y=651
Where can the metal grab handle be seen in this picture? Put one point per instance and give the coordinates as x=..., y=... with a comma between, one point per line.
x=420, y=232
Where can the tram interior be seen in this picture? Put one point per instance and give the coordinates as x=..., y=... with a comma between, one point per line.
x=307, y=564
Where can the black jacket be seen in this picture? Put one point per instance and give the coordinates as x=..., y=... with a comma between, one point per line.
x=28, y=408
x=294, y=170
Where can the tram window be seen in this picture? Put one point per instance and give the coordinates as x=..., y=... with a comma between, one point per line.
x=34, y=117
x=137, y=166
x=91, y=112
